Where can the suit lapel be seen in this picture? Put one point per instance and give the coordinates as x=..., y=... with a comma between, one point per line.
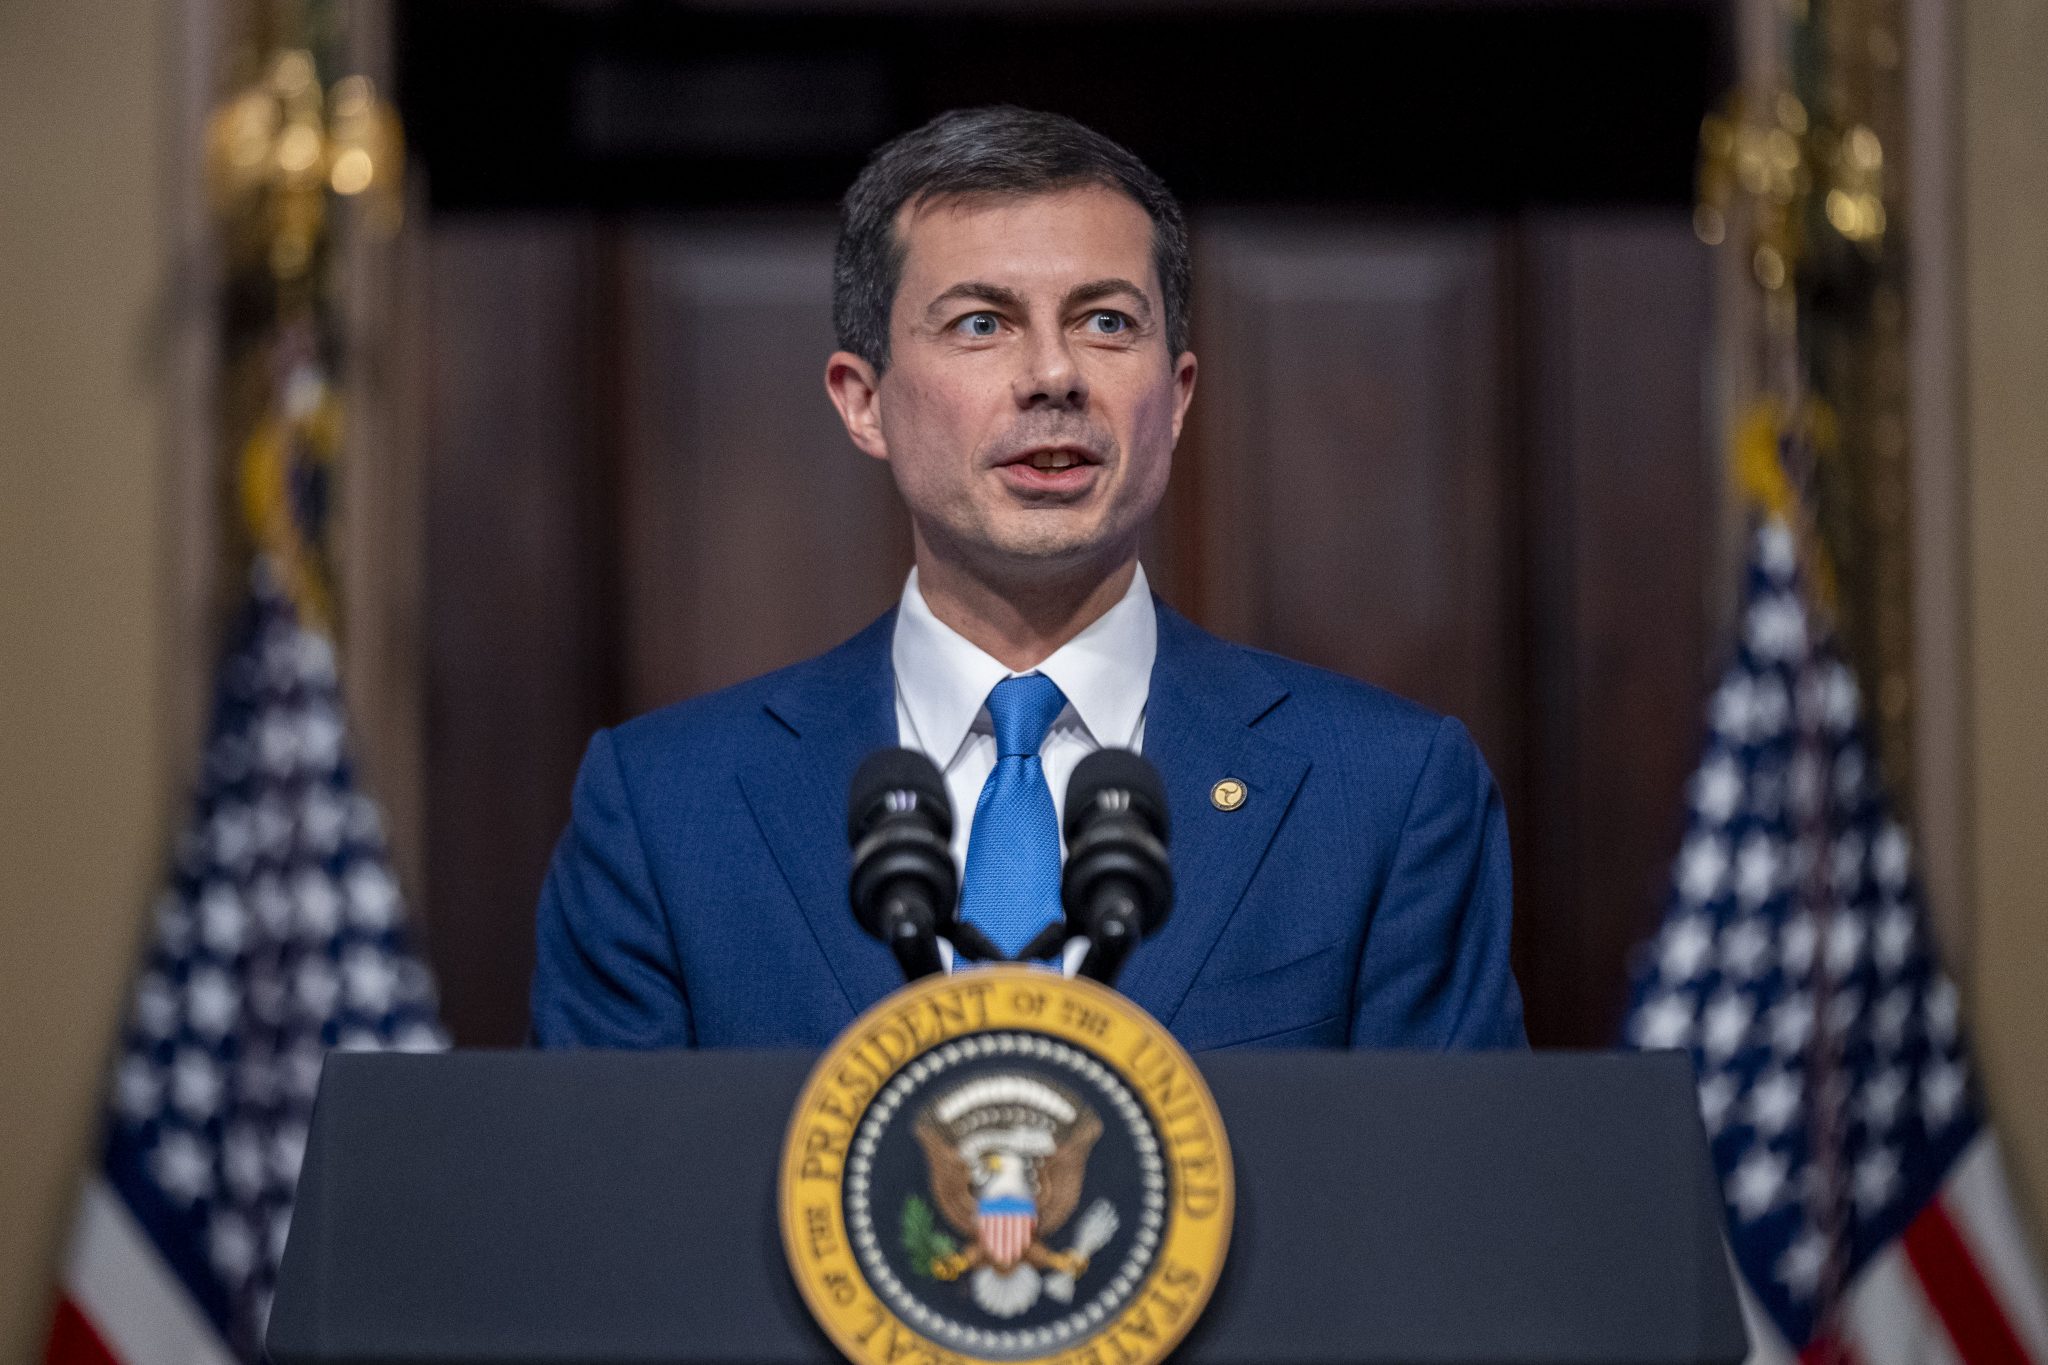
x=832, y=712
x=1205, y=697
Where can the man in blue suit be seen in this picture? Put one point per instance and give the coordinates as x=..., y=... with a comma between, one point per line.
x=1011, y=294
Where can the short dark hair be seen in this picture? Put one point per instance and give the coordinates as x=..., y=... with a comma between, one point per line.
x=1000, y=149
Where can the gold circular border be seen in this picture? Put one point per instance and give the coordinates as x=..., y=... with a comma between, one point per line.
x=932, y=1012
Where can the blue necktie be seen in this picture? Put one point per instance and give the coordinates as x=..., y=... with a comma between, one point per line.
x=1012, y=886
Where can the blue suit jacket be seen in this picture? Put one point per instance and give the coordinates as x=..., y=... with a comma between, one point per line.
x=1359, y=896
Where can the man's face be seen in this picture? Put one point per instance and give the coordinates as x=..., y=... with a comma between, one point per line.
x=1030, y=406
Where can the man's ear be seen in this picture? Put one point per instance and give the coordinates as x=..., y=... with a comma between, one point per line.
x=1184, y=389
x=856, y=390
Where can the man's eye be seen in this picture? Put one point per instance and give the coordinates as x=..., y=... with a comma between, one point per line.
x=978, y=325
x=1103, y=322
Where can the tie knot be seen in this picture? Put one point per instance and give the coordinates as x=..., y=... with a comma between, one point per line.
x=1023, y=709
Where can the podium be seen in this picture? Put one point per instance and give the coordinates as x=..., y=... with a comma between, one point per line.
x=1397, y=1208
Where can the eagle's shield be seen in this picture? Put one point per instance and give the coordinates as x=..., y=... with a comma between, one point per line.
x=1005, y=1227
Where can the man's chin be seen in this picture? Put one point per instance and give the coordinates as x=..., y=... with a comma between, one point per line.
x=1044, y=546
x=1023, y=548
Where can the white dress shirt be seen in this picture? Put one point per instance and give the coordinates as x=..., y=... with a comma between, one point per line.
x=942, y=687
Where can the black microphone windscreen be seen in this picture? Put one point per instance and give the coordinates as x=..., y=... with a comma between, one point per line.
x=1116, y=770
x=891, y=770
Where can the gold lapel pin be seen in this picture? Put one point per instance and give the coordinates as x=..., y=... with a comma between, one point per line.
x=1228, y=794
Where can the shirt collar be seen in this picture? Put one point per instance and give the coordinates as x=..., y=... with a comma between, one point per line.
x=1105, y=672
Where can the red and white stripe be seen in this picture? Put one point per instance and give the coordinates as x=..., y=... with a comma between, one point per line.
x=120, y=1303
x=1958, y=1288
x=1007, y=1236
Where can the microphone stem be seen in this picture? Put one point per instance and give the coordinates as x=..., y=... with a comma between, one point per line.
x=1113, y=932
x=911, y=938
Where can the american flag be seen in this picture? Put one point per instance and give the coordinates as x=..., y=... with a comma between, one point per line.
x=280, y=936
x=1866, y=1206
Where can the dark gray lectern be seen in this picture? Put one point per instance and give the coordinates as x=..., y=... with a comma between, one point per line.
x=501, y=1208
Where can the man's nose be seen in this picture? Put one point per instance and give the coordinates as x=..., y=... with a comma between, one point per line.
x=1050, y=377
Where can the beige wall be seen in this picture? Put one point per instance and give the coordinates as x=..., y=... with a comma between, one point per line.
x=82, y=770
x=2004, y=165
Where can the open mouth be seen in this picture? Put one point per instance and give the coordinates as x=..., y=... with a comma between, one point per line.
x=1053, y=458
x=1057, y=471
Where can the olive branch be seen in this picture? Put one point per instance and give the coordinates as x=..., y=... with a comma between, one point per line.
x=922, y=1240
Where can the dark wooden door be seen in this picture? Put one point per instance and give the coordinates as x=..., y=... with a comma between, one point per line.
x=1350, y=455
x=754, y=534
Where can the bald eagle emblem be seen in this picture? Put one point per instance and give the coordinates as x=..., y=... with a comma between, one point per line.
x=1008, y=1154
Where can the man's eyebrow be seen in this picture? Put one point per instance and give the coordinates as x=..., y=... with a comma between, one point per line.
x=1096, y=290
x=980, y=291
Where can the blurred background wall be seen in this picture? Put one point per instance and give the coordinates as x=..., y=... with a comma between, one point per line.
x=593, y=380
x=87, y=745
x=2002, y=245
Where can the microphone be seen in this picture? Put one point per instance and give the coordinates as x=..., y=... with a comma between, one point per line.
x=904, y=885
x=1118, y=886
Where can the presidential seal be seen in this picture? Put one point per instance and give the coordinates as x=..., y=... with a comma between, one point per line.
x=1005, y=1165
